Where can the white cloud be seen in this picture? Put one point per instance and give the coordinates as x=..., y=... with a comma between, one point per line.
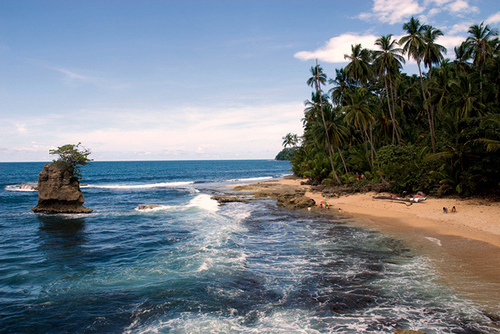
x=461, y=8
x=399, y=11
x=393, y=11
x=449, y=42
x=335, y=49
x=493, y=19
x=21, y=128
x=189, y=132
x=459, y=28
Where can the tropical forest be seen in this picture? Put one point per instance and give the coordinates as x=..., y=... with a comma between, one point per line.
x=437, y=131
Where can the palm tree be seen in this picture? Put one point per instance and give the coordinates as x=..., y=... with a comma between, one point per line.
x=414, y=45
x=389, y=60
x=462, y=56
x=359, y=66
x=290, y=139
x=342, y=86
x=319, y=78
x=481, y=45
x=432, y=55
x=432, y=52
x=359, y=114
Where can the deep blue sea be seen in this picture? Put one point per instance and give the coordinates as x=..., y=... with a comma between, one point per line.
x=191, y=266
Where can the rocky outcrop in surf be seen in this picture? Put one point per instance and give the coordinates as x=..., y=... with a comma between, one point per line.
x=289, y=197
x=59, y=191
x=222, y=199
x=407, y=331
x=147, y=206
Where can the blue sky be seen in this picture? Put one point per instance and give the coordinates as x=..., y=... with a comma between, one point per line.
x=190, y=79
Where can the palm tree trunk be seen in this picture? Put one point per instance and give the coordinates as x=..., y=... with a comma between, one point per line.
x=431, y=127
x=394, y=110
x=328, y=143
x=390, y=112
x=375, y=153
x=343, y=161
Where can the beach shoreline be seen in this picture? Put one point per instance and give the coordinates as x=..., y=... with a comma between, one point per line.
x=464, y=246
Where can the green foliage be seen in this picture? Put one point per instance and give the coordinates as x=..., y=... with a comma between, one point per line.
x=72, y=157
x=286, y=154
x=438, y=132
x=402, y=167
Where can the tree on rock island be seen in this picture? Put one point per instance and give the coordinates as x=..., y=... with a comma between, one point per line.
x=58, y=182
x=71, y=157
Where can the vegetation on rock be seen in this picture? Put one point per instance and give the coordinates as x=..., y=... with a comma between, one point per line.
x=71, y=157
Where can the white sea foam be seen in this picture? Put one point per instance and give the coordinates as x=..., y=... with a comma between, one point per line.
x=205, y=202
x=140, y=186
x=26, y=187
x=252, y=179
x=159, y=208
x=434, y=240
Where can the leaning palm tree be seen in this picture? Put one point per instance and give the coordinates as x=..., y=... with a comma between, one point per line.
x=413, y=45
x=481, y=45
x=389, y=60
x=290, y=139
x=432, y=55
x=319, y=78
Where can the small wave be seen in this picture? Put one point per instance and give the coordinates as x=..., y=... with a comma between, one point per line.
x=252, y=179
x=434, y=240
x=156, y=207
x=140, y=186
x=27, y=187
x=205, y=202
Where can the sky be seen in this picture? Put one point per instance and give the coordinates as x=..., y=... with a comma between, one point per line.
x=186, y=79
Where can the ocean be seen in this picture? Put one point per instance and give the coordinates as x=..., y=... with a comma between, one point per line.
x=192, y=266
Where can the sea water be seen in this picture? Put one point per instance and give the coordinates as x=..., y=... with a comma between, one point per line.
x=191, y=266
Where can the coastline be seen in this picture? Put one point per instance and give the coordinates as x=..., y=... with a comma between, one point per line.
x=464, y=246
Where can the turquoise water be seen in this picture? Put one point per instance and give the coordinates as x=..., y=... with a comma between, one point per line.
x=191, y=266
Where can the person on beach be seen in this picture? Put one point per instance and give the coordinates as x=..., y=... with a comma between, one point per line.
x=453, y=209
x=445, y=209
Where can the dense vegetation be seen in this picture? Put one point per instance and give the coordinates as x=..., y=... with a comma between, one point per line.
x=438, y=131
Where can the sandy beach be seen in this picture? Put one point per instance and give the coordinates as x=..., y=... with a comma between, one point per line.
x=464, y=246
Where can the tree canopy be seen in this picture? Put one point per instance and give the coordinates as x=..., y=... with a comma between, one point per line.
x=72, y=156
x=437, y=131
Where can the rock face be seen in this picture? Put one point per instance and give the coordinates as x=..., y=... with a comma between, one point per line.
x=59, y=191
x=293, y=200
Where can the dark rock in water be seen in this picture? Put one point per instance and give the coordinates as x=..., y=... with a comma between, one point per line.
x=407, y=331
x=293, y=200
x=147, y=206
x=59, y=191
x=227, y=199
